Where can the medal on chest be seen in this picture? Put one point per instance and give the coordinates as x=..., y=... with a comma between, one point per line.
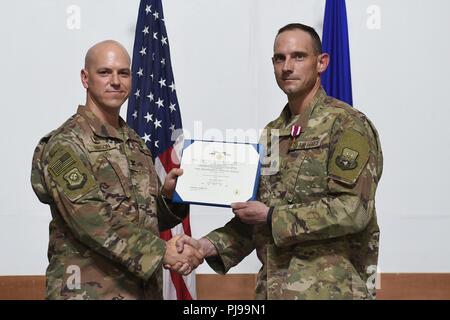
x=295, y=132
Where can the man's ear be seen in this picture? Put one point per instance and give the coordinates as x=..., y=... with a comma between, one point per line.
x=84, y=78
x=322, y=62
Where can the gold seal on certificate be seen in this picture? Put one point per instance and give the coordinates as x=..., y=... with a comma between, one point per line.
x=218, y=173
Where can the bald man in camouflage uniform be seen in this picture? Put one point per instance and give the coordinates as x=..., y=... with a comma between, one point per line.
x=314, y=227
x=106, y=202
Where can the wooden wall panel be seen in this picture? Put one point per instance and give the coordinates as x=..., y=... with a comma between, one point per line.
x=22, y=287
x=398, y=286
x=226, y=287
x=411, y=286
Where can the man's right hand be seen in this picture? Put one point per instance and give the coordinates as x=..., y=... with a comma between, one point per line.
x=183, y=242
x=182, y=261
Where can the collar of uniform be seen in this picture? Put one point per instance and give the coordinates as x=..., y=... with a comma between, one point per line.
x=285, y=116
x=104, y=129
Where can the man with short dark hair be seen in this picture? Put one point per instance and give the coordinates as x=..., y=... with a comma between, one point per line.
x=314, y=226
x=107, y=204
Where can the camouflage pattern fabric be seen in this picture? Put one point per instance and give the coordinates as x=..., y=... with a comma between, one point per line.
x=107, y=211
x=323, y=240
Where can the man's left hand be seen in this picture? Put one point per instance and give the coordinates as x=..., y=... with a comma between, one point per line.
x=170, y=182
x=250, y=212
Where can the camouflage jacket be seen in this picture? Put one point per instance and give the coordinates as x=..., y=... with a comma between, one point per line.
x=323, y=239
x=106, y=209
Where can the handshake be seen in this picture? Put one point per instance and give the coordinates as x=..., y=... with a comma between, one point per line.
x=184, y=254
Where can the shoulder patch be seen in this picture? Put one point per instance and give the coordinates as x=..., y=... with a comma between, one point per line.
x=68, y=172
x=349, y=157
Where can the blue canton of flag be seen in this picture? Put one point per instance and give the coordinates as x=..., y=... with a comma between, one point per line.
x=153, y=112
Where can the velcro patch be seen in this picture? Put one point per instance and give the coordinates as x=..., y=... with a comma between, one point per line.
x=62, y=163
x=70, y=173
x=350, y=157
x=75, y=179
x=347, y=160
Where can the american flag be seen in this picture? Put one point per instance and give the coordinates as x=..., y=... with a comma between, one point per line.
x=154, y=113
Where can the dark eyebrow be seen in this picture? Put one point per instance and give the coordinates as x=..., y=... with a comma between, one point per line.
x=110, y=70
x=278, y=55
x=299, y=54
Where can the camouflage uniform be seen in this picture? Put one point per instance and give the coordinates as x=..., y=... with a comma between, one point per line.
x=107, y=211
x=323, y=239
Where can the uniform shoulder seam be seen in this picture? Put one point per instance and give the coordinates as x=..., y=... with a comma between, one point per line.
x=66, y=129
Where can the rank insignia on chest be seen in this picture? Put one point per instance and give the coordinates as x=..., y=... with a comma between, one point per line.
x=75, y=179
x=347, y=160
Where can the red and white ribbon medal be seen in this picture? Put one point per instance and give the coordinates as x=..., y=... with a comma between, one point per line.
x=295, y=131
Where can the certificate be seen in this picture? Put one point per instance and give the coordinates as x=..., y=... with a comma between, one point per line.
x=218, y=173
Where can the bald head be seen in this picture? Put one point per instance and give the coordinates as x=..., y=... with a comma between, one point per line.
x=103, y=48
x=106, y=77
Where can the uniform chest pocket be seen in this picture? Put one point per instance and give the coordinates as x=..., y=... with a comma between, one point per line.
x=143, y=170
x=111, y=171
x=305, y=170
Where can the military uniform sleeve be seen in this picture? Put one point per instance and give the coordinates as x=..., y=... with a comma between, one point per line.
x=354, y=168
x=90, y=217
x=170, y=214
x=233, y=243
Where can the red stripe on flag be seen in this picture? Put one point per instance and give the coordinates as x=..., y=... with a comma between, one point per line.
x=180, y=286
x=187, y=226
x=166, y=235
x=169, y=159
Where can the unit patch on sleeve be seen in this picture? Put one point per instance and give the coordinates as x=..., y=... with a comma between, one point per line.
x=350, y=157
x=347, y=160
x=68, y=171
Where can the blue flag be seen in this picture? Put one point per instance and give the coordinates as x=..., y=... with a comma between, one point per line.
x=337, y=80
x=154, y=113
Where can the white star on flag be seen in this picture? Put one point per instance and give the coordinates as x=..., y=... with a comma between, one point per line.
x=145, y=31
x=163, y=40
x=135, y=114
x=146, y=137
x=172, y=86
x=162, y=82
x=148, y=9
x=137, y=93
x=150, y=96
x=156, y=15
x=160, y=103
x=157, y=123
x=143, y=51
x=140, y=73
x=155, y=35
x=172, y=107
x=149, y=117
